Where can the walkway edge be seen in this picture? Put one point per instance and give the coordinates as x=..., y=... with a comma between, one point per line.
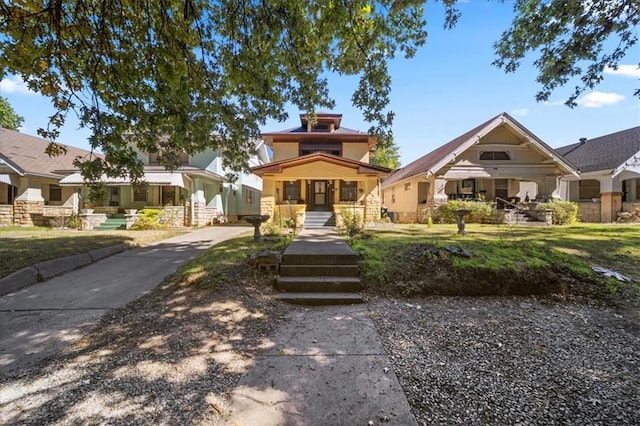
x=51, y=268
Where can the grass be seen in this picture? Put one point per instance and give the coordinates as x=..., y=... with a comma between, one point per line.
x=22, y=247
x=404, y=254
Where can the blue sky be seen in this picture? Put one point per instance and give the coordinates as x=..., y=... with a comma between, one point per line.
x=448, y=88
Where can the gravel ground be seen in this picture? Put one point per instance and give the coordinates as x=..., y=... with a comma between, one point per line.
x=513, y=360
x=174, y=356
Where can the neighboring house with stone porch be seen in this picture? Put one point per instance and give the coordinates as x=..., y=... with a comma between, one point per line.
x=609, y=180
x=197, y=193
x=30, y=193
x=499, y=160
x=320, y=166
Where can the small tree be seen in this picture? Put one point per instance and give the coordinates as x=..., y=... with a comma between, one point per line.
x=8, y=117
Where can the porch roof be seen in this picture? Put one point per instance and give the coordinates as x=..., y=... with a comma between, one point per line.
x=432, y=162
x=153, y=179
x=279, y=166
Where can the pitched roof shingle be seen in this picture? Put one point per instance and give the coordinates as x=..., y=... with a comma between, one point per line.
x=605, y=152
x=27, y=153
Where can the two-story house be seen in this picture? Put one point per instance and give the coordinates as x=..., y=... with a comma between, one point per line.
x=197, y=193
x=321, y=167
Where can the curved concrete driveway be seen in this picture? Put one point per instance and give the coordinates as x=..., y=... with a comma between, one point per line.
x=41, y=319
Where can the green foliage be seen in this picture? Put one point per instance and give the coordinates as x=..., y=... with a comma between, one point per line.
x=480, y=211
x=564, y=212
x=352, y=224
x=8, y=117
x=387, y=157
x=73, y=222
x=170, y=74
x=149, y=219
x=576, y=41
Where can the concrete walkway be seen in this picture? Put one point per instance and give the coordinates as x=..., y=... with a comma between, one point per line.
x=41, y=319
x=325, y=366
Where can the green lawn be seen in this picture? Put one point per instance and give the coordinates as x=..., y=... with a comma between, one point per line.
x=21, y=247
x=390, y=255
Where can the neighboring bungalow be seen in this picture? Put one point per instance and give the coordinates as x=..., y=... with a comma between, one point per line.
x=30, y=193
x=320, y=167
x=609, y=175
x=195, y=194
x=499, y=160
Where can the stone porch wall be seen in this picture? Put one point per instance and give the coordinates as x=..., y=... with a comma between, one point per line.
x=588, y=211
x=6, y=215
x=28, y=213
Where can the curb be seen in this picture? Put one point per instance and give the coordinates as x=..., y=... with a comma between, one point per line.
x=48, y=269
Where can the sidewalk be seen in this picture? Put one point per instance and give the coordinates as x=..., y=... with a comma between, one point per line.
x=324, y=366
x=41, y=319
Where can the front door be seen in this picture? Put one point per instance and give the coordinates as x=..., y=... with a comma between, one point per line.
x=319, y=199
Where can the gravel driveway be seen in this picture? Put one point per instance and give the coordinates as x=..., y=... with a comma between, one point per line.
x=173, y=356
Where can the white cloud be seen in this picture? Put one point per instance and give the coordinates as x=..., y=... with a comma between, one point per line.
x=553, y=103
x=599, y=99
x=520, y=112
x=14, y=84
x=625, y=71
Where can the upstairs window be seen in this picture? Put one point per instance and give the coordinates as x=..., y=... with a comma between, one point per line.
x=327, y=148
x=495, y=155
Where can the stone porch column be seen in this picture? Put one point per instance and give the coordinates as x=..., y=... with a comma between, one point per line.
x=610, y=204
x=28, y=208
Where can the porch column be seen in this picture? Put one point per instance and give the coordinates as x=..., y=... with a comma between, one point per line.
x=28, y=208
x=199, y=208
x=610, y=204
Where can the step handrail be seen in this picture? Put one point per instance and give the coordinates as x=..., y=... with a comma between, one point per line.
x=518, y=208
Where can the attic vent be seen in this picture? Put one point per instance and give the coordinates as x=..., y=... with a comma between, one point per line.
x=494, y=155
x=582, y=140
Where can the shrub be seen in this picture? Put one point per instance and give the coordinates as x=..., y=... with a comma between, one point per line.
x=149, y=219
x=564, y=212
x=352, y=223
x=480, y=211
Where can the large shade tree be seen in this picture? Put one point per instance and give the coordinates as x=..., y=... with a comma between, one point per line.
x=168, y=74
x=176, y=76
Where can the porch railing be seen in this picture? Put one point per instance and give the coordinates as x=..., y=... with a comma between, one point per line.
x=518, y=209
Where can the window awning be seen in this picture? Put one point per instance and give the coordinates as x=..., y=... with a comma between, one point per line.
x=5, y=179
x=154, y=179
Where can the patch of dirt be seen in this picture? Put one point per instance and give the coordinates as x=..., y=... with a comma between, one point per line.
x=427, y=270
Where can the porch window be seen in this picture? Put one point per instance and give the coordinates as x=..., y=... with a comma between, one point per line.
x=292, y=190
x=55, y=192
x=468, y=186
x=249, y=197
x=167, y=195
x=140, y=194
x=495, y=155
x=348, y=190
x=588, y=189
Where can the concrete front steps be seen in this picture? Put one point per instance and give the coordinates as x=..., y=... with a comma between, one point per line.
x=112, y=223
x=319, y=219
x=319, y=268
